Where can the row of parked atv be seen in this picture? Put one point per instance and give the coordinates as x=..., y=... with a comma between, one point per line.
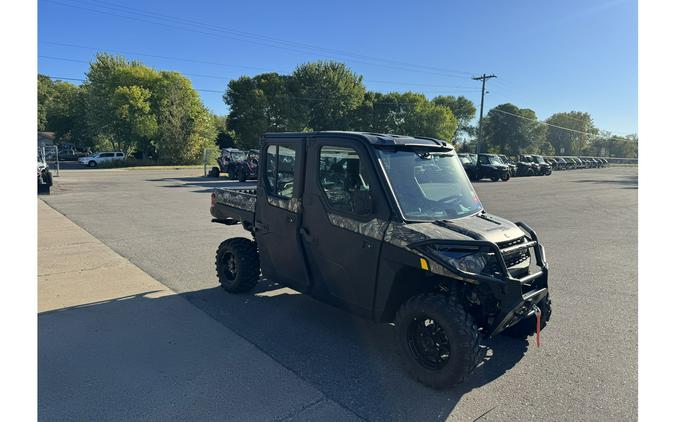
x=500, y=167
x=237, y=164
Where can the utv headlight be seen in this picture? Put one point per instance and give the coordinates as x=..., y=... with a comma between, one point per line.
x=471, y=261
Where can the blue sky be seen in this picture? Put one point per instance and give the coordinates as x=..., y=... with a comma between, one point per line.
x=548, y=56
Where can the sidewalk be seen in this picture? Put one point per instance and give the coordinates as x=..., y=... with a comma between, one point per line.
x=115, y=344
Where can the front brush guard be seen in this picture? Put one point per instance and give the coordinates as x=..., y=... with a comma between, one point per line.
x=516, y=304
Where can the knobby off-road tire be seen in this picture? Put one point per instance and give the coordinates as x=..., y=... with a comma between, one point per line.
x=48, y=179
x=527, y=327
x=237, y=265
x=214, y=172
x=241, y=175
x=43, y=189
x=458, y=347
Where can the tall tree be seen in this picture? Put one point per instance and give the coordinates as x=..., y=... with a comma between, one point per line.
x=260, y=104
x=326, y=93
x=185, y=126
x=512, y=130
x=463, y=110
x=135, y=122
x=45, y=92
x=574, y=141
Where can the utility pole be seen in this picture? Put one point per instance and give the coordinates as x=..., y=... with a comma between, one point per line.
x=480, y=119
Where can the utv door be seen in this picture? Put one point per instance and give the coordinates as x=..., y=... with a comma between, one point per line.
x=342, y=230
x=277, y=214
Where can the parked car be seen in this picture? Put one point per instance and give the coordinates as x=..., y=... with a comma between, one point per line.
x=248, y=168
x=101, y=158
x=389, y=229
x=525, y=167
x=513, y=167
x=562, y=164
x=44, y=176
x=490, y=166
x=70, y=154
x=228, y=162
x=468, y=163
x=545, y=168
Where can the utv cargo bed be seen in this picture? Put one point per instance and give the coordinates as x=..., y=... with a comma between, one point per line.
x=233, y=205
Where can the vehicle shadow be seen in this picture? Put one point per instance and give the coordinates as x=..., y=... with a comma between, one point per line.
x=119, y=359
x=627, y=182
x=353, y=361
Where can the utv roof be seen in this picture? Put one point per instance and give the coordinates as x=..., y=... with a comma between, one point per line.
x=373, y=138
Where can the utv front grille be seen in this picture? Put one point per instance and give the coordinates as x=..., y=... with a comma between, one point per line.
x=513, y=255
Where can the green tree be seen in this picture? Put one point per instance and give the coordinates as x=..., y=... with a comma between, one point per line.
x=135, y=123
x=463, y=110
x=224, y=137
x=107, y=74
x=62, y=110
x=185, y=126
x=45, y=92
x=407, y=113
x=326, y=94
x=258, y=105
x=511, y=130
x=574, y=141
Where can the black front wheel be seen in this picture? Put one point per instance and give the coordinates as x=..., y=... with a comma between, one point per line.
x=506, y=176
x=214, y=172
x=237, y=265
x=438, y=339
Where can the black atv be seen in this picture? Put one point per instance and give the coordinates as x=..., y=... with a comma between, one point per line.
x=389, y=228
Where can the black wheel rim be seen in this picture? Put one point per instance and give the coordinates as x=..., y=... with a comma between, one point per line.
x=428, y=342
x=229, y=266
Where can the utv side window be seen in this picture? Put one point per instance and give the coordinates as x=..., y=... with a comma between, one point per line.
x=280, y=171
x=342, y=180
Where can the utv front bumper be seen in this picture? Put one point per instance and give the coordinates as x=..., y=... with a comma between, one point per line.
x=516, y=290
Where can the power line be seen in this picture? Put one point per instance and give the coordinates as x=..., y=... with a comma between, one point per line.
x=327, y=99
x=552, y=125
x=367, y=81
x=156, y=56
x=156, y=15
x=262, y=40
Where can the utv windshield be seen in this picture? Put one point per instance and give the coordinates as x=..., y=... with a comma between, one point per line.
x=429, y=185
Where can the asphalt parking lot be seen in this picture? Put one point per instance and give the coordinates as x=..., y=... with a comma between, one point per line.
x=586, y=369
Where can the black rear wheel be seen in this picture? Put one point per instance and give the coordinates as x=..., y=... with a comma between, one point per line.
x=237, y=265
x=438, y=339
x=241, y=174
